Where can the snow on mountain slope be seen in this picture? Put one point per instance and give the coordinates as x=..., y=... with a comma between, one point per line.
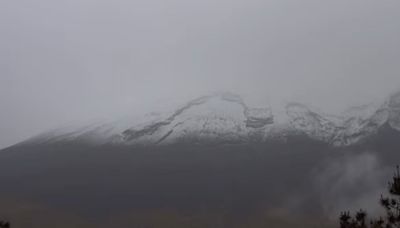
x=225, y=118
x=359, y=123
x=314, y=124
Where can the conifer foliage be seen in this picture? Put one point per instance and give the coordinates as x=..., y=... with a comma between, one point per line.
x=4, y=224
x=390, y=204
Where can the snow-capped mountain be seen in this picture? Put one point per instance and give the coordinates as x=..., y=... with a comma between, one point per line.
x=226, y=118
x=240, y=152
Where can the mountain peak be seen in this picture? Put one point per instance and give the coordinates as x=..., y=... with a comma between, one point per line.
x=221, y=116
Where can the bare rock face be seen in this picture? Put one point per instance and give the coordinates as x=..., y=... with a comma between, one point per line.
x=258, y=117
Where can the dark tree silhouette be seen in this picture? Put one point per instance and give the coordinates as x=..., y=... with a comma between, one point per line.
x=4, y=224
x=390, y=204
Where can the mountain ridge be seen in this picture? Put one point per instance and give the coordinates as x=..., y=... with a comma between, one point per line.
x=226, y=118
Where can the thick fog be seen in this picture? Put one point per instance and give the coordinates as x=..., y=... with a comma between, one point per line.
x=71, y=60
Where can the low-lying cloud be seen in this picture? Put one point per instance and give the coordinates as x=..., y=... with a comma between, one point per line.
x=352, y=182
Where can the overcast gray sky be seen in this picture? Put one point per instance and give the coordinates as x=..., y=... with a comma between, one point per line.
x=68, y=60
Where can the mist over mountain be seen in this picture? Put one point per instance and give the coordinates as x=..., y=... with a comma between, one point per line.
x=68, y=61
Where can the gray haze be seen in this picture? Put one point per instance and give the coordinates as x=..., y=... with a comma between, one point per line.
x=347, y=175
x=69, y=60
